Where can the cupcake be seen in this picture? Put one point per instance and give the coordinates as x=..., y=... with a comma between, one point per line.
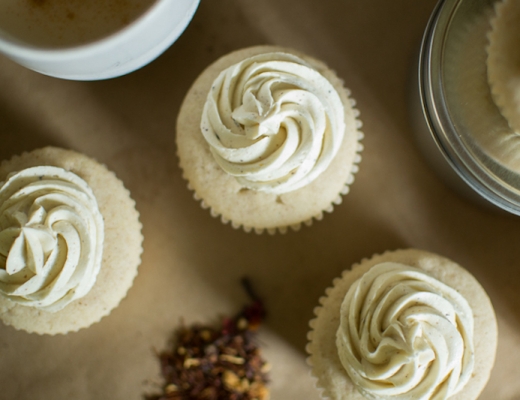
x=403, y=325
x=70, y=241
x=268, y=139
x=503, y=61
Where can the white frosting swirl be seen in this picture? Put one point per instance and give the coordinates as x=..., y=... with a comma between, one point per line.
x=273, y=122
x=51, y=238
x=404, y=334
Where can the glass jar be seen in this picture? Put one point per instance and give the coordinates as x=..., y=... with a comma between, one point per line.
x=460, y=129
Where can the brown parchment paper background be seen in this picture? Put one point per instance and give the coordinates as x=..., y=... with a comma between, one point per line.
x=192, y=263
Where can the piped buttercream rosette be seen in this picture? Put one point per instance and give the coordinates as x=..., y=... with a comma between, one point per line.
x=273, y=122
x=51, y=238
x=404, y=334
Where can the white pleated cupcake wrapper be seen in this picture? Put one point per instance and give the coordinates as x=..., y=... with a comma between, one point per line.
x=318, y=217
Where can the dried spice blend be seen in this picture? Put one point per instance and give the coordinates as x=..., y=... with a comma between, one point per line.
x=217, y=363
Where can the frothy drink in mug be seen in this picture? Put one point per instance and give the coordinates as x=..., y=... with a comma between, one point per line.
x=66, y=23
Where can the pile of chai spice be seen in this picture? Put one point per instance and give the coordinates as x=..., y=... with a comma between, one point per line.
x=224, y=363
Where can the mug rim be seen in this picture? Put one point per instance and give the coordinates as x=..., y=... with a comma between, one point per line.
x=46, y=59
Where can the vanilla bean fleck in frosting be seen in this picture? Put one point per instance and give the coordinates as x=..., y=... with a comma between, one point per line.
x=51, y=238
x=273, y=122
x=404, y=334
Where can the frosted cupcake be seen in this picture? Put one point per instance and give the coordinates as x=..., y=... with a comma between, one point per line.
x=268, y=139
x=403, y=325
x=70, y=241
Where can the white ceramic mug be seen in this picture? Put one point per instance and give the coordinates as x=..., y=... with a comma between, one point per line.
x=119, y=53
